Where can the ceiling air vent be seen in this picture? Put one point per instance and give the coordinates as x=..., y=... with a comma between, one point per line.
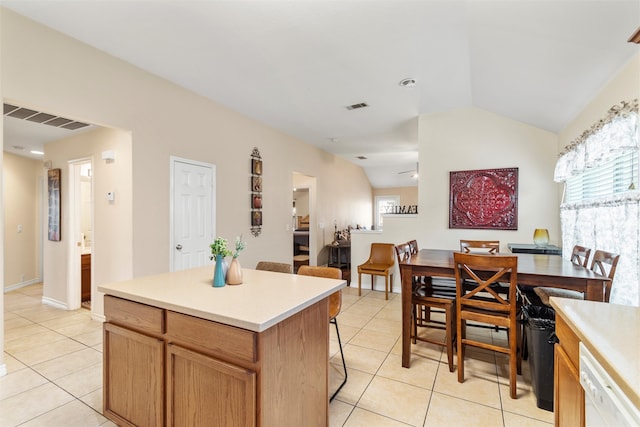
x=361, y=158
x=357, y=106
x=44, y=118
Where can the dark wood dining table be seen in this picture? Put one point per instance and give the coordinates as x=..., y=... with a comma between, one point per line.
x=533, y=270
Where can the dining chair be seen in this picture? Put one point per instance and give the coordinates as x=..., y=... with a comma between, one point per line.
x=427, y=296
x=279, y=267
x=483, y=304
x=603, y=263
x=335, y=304
x=580, y=255
x=480, y=246
x=380, y=263
x=484, y=247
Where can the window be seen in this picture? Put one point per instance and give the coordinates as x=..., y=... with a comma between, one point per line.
x=612, y=178
x=384, y=205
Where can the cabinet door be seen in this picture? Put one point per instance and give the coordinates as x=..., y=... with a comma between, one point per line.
x=568, y=393
x=133, y=377
x=203, y=391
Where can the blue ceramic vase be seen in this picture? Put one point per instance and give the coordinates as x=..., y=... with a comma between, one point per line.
x=219, y=273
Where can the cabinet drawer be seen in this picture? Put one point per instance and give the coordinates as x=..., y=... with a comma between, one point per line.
x=212, y=337
x=134, y=315
x=568, y=340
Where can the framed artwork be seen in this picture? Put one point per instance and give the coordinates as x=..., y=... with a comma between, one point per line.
x=53, y=186
x=256, y=201
x=256, y=183
x=484, y=199
x=256, y=218
x=256, y=166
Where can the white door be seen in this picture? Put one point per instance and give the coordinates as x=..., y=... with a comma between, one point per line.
x=193, y=213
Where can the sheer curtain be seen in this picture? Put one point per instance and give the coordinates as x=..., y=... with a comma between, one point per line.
x=610, y=223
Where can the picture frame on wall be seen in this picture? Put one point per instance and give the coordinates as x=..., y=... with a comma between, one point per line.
x=256, y=218
x=54, y=197
x=256, y=201
x=256, y=166
x=256, y=184
x=484, y=199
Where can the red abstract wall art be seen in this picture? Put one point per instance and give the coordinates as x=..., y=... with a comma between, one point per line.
x=486, y=199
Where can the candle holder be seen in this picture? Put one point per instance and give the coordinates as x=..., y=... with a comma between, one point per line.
x=541, y=237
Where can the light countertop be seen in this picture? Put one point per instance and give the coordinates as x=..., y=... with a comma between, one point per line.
x=611, y=333
x=264, y=299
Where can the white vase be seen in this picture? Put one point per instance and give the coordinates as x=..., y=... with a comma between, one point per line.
x=234, y=273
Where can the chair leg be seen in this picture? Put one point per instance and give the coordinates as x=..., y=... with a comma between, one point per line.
x=386, y=287
x=372, y=276
x=450, y=316
x=344, y=365
x=359, y=284
x=513, y=364
x=414, y=321
x=460, y=337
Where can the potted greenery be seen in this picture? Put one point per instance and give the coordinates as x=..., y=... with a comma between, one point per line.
x=218, y=252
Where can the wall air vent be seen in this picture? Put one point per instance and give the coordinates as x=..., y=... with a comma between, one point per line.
x=357, y=106
x=39, y=117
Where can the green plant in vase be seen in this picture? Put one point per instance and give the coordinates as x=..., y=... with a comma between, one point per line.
x=219, y=251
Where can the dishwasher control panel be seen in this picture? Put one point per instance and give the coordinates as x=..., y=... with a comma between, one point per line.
x=606, y=404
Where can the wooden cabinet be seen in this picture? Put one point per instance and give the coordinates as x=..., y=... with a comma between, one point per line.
x=568, y=394
x=168, y=368
x=85, y=275
x=134, y=380
x=229, y=391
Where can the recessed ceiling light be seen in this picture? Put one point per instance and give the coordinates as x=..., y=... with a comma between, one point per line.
x=408, y=82
x=37, y=152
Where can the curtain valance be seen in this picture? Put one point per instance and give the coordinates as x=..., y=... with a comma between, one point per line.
x=610, y=137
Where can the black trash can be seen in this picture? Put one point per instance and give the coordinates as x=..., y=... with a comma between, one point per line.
x=539, y=328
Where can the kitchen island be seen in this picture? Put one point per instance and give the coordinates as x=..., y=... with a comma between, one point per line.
x=179, y=352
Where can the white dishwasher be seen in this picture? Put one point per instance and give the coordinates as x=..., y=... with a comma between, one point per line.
x=606, y=405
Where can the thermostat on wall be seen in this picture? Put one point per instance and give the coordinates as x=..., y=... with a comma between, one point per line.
x=111, y=196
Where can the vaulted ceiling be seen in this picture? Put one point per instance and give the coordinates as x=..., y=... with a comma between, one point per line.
x=297, y=65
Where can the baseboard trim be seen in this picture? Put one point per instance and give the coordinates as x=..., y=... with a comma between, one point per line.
x=21, y=285
x=54, y=303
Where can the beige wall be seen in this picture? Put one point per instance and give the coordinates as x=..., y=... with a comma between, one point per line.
x=470, y=139
x=23, y=180
x=408, y=195
x=624, y=86
x=166, y=120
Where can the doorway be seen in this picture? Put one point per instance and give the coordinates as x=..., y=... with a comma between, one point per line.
x=80, y=248
x=304, y=221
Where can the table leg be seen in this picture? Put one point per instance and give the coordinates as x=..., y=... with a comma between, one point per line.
x=595, y=290
x=406, y=316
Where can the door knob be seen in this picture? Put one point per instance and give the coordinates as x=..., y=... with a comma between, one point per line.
x=179, y=247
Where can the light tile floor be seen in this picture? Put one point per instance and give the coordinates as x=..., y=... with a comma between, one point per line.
x=54, y=361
